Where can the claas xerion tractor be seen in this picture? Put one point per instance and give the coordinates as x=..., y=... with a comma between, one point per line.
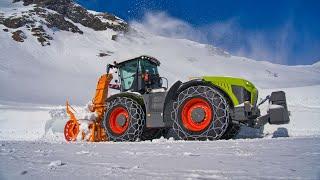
x=204, y=108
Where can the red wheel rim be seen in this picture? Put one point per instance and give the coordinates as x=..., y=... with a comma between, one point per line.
x=71, y=130
x=187, y=120
x=113, y=121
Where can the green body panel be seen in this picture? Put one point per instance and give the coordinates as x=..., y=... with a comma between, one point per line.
x=225, y=83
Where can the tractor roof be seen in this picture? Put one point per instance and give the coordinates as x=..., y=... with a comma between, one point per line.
x=145, y=57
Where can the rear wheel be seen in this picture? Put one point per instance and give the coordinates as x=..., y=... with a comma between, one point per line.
x=124, y=119
x=200, y=112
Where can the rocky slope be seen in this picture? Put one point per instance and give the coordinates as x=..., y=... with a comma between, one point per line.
x=57, y=15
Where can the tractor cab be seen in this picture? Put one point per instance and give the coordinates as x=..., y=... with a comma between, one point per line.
x=139, y=74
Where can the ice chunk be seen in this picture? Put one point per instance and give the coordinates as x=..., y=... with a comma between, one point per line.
x=56, y=163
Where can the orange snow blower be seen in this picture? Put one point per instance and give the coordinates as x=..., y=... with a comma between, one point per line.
x=89, y=130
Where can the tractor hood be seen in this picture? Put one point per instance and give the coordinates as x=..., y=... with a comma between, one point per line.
x=238, y=89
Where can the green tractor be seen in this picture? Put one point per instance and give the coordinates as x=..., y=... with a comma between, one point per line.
x=206, y=108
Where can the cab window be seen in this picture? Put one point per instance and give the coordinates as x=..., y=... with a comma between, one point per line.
x=149, y=67
x=128, y=72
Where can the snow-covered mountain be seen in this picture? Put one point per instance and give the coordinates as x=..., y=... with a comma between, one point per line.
x=55, y=49
x=51, y=50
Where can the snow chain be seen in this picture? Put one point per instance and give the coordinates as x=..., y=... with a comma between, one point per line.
x=220, y=108
x=137, y=119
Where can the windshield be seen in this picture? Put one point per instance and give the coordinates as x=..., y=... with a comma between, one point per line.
x=149, y=67
x=128, y=72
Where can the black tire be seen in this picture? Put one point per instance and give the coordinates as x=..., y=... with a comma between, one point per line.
x=219, y=107
x=232, y=131
x=135, y=120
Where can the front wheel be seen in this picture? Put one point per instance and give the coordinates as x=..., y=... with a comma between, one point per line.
x=200, y=112
x=124, y=119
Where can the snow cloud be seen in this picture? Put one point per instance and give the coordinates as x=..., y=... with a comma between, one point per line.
x=229, y=35
x=161, y=23
x=274, y=47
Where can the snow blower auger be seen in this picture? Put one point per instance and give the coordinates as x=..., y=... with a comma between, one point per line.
x=204, y=108
x=86, y=129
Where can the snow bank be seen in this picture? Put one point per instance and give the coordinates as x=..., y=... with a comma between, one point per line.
x=304, y=107
x=22, y=123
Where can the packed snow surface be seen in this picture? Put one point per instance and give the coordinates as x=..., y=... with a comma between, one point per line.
x=280, y=158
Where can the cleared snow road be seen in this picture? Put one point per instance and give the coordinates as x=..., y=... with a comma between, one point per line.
x=281, y=158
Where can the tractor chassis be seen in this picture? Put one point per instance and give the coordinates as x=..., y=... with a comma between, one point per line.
x=244, y=113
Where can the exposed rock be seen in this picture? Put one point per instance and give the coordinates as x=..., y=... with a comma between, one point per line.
x=111, y=17
x=80, y=15
x=41, y=35
x=58, y=15
x=18, y=36
x=16, y=22
x=103, y=54
x=116, y=24
x=114, y=37
x=24, y=172
x=1, y=18
x=58, y=21
x=272, y=74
